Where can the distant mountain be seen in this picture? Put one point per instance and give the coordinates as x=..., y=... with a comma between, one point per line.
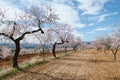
x=23, y=45
x=30, y=45
x=87, y=42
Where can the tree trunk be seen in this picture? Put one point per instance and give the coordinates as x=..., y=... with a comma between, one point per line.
x=114, y=56
x=53, y=50
x=65, y=50
x=74, y=48
x=43, y=52
x=15, y=57
x=114, y=52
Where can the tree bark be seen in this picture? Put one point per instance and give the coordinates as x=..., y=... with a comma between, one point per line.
x=43, y=52
x=15, y=57
x=66, y=50
x=114, y=57
x=114, y=52
x=53, y=49
x=74, y=48
x=54, y=46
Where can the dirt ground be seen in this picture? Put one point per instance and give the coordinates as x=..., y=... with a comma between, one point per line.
x=21, y=58
x=84, y=65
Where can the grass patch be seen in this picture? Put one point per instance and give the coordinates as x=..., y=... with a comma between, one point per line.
x=9, y=72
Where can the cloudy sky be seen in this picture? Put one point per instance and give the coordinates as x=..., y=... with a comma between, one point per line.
x=88, y=18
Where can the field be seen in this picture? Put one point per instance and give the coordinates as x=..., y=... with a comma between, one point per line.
x=8, y=63
x=25, y=57
x=84, y=65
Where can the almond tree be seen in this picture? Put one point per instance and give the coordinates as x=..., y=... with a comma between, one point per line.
x=65, y=46
x=97, y=44
x=6, y=53
x=72, y=42
x=115, y=43
x=102, y=43
x=60, y=35
x=44, y=39
x=79, y=42
x=105, y=42
x=85, y=46
x=17, y=30
x=109, y=43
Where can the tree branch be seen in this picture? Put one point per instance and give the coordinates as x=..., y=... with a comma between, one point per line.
x=29, y=32
x=62, y=42
x=13, y=29
x=6, y=35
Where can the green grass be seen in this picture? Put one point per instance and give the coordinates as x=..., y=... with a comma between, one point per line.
x=9, y=72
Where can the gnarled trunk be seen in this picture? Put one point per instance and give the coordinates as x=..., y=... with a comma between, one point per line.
x=53, y=49
x=15, y=57
x=54, y=46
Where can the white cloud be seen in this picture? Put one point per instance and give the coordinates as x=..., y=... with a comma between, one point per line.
x=29, y=3
x=91, y=7
x=68, y=15
x=104, y=16
x=59, y=1
x=69, y=2
x=98, y=29
x=91, y=24
x=101, y=29
x=78, y=34
x=115, y=13
x=10, y=10
x=90, y=32
x=101, y=17
x=66, y=12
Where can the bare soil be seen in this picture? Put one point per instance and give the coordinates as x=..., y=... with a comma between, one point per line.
x=21, y=58
x=8, y=63
x=84, y=65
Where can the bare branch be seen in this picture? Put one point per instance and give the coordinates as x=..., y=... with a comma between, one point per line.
x=13, y=29
x=29, y=32
x=6, y=35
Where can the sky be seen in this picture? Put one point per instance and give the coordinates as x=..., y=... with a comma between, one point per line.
x=88, y=18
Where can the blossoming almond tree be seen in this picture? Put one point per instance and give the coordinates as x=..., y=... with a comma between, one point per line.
x=18, y=29
x=60, y=35
x=106, y=43
x=79, y=42
x=6, y=53
x=97, y=44
x=72, y=42
x=115, y=43
x=44, y=40
x=110, y=43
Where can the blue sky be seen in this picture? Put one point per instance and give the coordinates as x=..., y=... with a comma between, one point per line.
x=88, y=18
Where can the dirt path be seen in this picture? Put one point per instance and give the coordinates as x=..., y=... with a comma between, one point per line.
x=85, y=65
